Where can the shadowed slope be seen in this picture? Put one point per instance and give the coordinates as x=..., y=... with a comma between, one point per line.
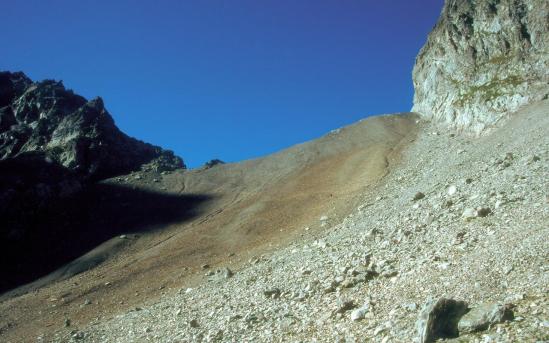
x=63, y=230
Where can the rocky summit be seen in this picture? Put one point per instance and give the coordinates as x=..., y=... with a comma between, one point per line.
x=483, y=60
x=45, y=120
x=413, y=227
x=54, y=147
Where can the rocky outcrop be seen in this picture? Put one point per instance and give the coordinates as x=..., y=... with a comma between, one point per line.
x=46, y=120
x=54, y=147
x=482, y=60
x=212, y=163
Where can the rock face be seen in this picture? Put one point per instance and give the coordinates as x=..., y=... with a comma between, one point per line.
x=54, y=147
x=482, y=60
x=46, y=120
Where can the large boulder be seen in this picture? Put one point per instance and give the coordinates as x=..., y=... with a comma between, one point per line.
x=482, y=60
x=439, y=319
x=485, y=315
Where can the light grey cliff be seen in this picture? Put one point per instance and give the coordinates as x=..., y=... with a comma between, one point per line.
x=483, y=59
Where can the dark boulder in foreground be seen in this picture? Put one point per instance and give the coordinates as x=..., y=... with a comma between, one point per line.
x=439, y=319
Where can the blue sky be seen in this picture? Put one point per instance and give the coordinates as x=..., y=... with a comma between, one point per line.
x=224, y=79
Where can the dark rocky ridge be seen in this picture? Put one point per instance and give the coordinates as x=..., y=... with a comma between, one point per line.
x=55, y=148
x=45, y=119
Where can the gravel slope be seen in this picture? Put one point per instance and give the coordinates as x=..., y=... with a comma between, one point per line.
x=165, y=226
x=388, y=256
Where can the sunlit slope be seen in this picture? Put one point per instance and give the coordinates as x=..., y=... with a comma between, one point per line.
x=247, y=209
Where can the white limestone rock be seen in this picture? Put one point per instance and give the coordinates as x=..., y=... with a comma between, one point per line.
x=482, y=60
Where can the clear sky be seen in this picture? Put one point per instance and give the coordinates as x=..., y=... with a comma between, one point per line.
x=231, y=79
